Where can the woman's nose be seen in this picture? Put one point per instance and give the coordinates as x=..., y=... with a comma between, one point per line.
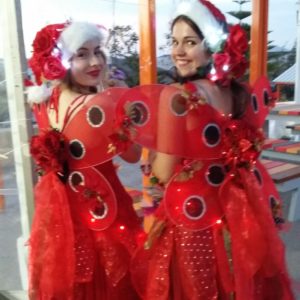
x=94, y=60
x=179, y=50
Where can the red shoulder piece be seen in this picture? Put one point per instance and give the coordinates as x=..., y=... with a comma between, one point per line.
x=260, y=104
x=162, y=120
x=88, y=132
x=191, y=202
x=94, y=198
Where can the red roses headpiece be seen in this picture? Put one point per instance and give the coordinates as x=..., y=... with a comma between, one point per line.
x=46, y=59
x=228, y=46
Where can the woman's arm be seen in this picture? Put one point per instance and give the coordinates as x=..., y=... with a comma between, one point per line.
x=163, y=166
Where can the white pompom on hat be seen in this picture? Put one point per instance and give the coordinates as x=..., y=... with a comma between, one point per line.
x=38, y=93
x=210, y=21
x=78, y=33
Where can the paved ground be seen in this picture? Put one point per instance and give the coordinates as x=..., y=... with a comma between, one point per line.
x=10, y=283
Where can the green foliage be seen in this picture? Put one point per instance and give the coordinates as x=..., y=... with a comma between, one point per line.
x=241, y=2
x=240, y=14
x=122, y=45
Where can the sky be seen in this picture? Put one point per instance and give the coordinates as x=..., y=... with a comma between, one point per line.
x=38, y=13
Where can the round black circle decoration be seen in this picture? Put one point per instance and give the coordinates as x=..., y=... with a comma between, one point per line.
x=95, y=116
x=76, y=149
x=211, y=135
x=254, y=103
x=215, y=175
x=258, y=176
x=266, y=98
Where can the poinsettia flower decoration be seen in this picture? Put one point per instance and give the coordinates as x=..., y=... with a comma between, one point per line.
x=242, y=144
x=124, y=131
x=192, y=96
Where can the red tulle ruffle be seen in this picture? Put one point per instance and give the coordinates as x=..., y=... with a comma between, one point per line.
x=51, y=252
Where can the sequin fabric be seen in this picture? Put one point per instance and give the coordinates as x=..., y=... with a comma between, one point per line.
x=183, y=266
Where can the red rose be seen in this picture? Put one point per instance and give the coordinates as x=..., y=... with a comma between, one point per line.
x=48, y=151
x=53, y=68
x=240, y=67
x=43, y=42
x=222, y=66
x=237, y=40
x=221, y=61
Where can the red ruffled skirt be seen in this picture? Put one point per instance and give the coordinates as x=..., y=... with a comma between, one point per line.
x=242, y=258
x=68, y=261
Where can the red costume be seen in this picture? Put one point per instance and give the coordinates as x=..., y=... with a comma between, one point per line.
x=214, y=236
x=84, y=229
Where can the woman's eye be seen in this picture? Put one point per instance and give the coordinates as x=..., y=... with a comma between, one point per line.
x=191, y=43
x=98, y=53
x=174, y=43
x=81, y=55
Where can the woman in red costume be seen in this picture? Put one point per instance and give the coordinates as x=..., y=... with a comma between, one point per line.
x=84, y=229
x=214, y=236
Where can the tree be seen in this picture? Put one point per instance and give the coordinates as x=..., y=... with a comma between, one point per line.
x=122, y=45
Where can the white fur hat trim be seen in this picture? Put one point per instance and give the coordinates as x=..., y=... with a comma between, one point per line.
x=215, y=32
x=38, y=93
x=76, y=34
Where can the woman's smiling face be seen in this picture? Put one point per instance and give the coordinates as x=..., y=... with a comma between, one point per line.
x=88, y=64
x=188, y=52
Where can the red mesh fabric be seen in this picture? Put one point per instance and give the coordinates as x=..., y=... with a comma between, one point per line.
x=51, y=255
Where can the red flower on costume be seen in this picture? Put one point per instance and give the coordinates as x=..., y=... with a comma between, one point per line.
x=121, y=140
x=44, y=62
x=43, y=42
x=231, y=62
x=237, y=42
x=242, y=144
x=53, y=68
x=48, y=151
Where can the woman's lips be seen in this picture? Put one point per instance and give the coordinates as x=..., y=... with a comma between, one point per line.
x=182, y=63
x=94, y=73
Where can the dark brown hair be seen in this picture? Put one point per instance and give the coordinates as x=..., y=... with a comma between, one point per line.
x=190, y=23
x=240, y=98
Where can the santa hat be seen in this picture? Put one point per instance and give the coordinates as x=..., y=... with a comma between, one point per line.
x=78, y=33
x=209, y=19
x=53, y=47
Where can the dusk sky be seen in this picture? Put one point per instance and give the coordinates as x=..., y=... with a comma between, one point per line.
x=282, y=16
